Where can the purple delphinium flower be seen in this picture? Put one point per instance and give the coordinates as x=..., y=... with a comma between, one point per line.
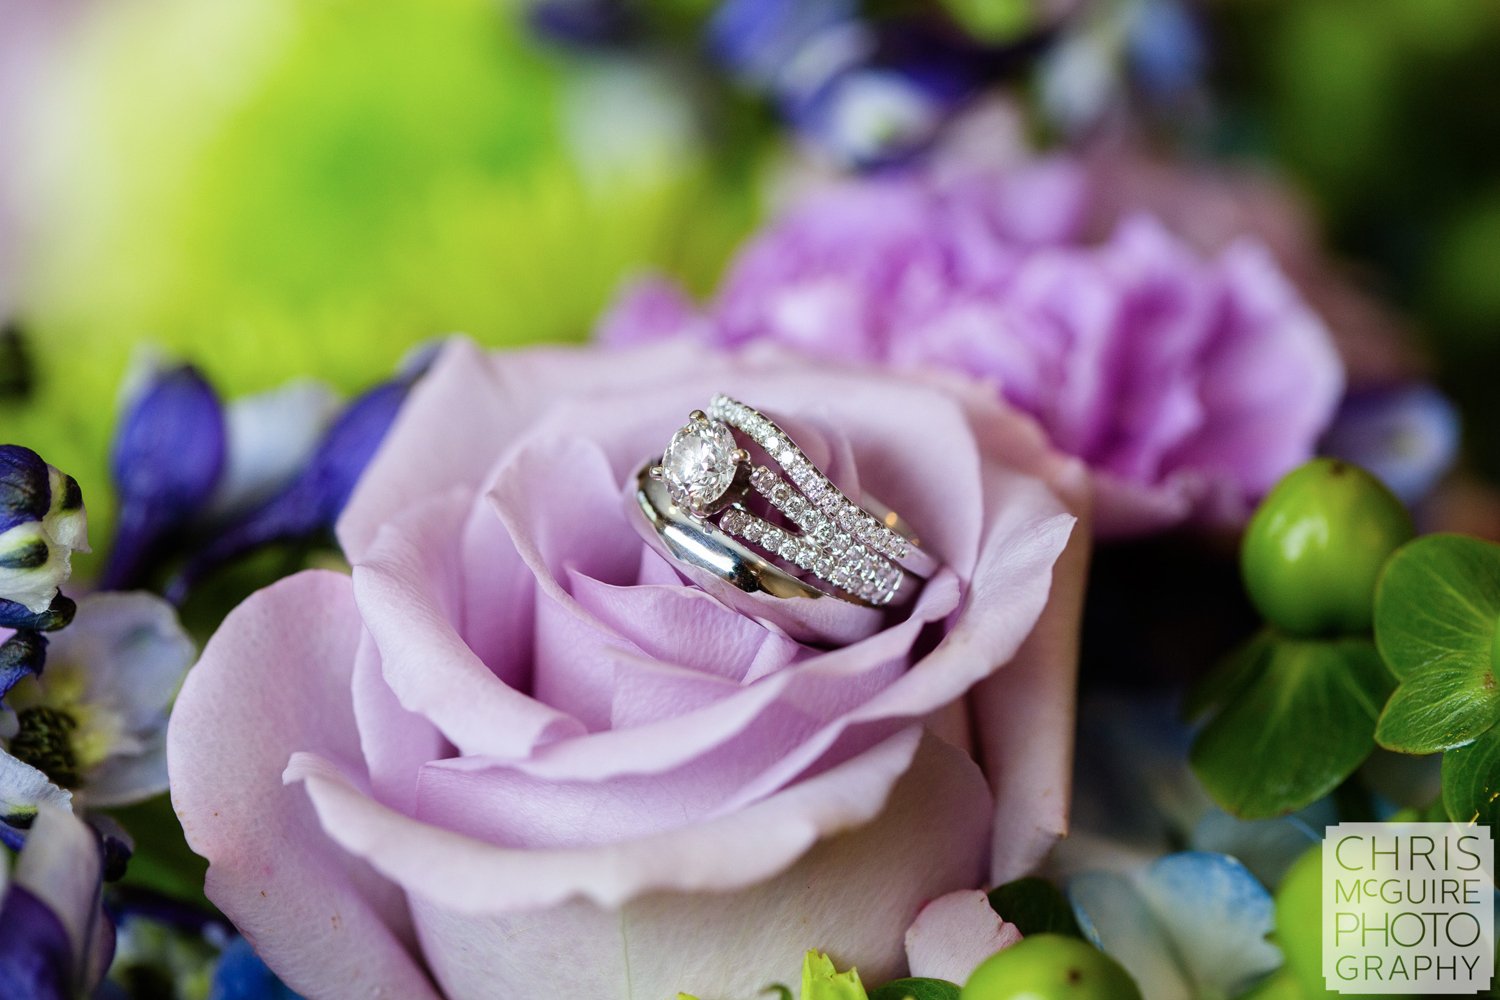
x=42, y=523
x=167, y=458
x=55, y=940
x=1189, y=385
x=308, y=505
x=1407, y=435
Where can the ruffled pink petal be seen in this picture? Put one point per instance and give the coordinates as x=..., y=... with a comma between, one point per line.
x=955, y=933
x=825, y=864
x=272, y=682
x=649, y=309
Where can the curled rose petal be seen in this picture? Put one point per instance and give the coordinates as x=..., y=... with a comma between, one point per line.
x=955, y=933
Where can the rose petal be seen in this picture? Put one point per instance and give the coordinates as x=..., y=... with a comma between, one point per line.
x=326, y=923
x=405, y=587
x=955, y=933
x=468, y=895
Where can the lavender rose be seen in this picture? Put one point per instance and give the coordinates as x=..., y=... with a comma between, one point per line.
x=1188, y=385
x=523, y=758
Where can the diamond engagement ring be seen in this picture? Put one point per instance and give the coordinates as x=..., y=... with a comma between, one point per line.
x=791, y=533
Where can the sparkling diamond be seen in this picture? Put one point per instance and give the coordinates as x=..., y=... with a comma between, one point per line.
x=751, y=532
x=699, y=462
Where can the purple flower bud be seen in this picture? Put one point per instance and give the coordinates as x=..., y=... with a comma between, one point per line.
x=582, y=23
x=168, y=456
x=22, y=655
x=312, y=502
x=1406, y=435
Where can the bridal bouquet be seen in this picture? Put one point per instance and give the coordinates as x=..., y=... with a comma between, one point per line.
x=623, y=500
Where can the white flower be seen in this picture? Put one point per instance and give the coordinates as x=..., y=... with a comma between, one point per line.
x=93, y=725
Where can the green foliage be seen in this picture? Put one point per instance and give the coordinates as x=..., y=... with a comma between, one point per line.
x=1291, y=719
x=821, y=981
x=1436, y=613
x=917, y=989
x=1471, y=781
x=346, y=182
x=1035, y=906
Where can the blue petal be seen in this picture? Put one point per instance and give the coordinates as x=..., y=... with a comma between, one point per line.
x=18, y=616
x=758, y=40
x=1406, y=435
x=241, y=975
x=25, y=492
x=1167, y=48
x=168, y=455
x=1190, y=925
x=1267, y=847
x=22, y=655
x=311, y=504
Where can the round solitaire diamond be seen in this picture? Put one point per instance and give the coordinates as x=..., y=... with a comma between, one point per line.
x=698, y=466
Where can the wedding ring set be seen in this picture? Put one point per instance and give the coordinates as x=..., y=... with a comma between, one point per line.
x=780, y=526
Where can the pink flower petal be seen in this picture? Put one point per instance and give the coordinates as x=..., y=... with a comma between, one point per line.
x=273, y=681
x=651, y=916
x=954, y=934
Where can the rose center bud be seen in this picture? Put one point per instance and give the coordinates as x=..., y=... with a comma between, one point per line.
x=45, y=741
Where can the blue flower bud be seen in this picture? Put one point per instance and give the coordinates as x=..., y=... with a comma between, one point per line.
x=1406, y=435
x=56, y=615
x=310, y=505
x=42, y=523
x=167, y=459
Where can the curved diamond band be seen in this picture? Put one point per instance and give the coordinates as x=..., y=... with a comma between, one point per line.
x=820, y=537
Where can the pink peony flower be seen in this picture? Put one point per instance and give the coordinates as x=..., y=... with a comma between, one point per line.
x=515, y=755
x=1188, y=385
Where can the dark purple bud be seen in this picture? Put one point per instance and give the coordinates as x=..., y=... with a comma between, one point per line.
x=168, y=455
x=21, y=618
x=311, y=503
x=585, y=24
x=115, y=844
x=22, y=655
x=1407, y=435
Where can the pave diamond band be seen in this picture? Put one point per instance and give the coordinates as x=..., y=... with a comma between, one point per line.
x=821, y=538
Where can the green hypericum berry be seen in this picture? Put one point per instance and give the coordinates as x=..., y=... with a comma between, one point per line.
x=1314, y=549
x=1050, y=967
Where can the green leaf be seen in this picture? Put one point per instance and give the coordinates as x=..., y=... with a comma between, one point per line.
x=1302, y=719
x=1228, y=678
x=1436, y=612
x=917, y=989
x=821, y=981
x=1035, y=906
x=1471, y=781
